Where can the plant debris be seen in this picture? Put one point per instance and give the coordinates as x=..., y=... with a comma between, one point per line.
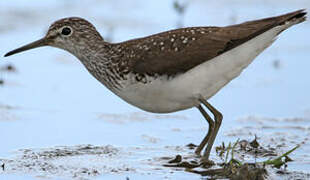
x=232, y=167
x=281, y=160
x=245, y=171
x=254, y=143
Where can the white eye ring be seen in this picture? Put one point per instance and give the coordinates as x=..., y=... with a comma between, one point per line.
x=66, y=31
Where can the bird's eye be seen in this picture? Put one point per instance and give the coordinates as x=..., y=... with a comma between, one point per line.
x=66, y=31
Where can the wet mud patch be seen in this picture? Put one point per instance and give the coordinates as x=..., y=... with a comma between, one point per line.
x=81, y=162
x=89, y=162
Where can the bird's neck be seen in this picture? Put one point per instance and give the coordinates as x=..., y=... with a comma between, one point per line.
x=98, y=61
x=91, y=51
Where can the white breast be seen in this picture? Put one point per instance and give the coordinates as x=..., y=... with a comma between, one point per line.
x=182, y=92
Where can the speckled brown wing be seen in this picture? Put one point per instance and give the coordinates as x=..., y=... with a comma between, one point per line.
x=177, y=51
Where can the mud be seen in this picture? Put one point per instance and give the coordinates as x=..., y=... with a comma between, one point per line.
x=63, y=161
x=88, y=161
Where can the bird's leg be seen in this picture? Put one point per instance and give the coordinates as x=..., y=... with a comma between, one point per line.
x=218, y=120
x=210, y=131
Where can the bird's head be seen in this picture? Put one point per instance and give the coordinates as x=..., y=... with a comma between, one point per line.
x=72, y=34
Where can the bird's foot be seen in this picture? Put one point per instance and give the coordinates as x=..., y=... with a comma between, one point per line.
x=206, y=163
x=178, y=162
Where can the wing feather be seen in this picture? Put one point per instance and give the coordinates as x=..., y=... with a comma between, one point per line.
x=180, y=50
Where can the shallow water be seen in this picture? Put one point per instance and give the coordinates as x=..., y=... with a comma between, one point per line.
x=51, y=100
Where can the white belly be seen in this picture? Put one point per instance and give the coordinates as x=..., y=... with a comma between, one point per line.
x=182, y=92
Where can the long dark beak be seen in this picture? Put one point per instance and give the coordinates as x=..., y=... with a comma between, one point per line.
x=38, y=43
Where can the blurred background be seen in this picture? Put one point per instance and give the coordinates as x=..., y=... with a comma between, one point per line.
x=47, y=97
